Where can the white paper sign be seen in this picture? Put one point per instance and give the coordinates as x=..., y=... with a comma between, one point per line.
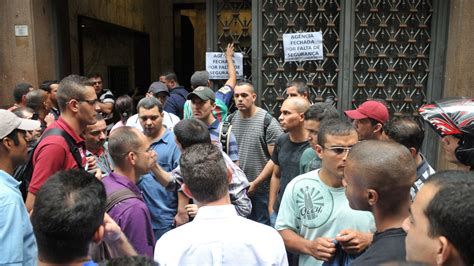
x=21, y=30
x=216, y=65
x=303, y=46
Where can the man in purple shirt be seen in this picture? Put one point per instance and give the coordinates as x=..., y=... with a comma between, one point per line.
x=130, y=151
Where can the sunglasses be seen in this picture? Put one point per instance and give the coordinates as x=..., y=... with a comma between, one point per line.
x=338, y=150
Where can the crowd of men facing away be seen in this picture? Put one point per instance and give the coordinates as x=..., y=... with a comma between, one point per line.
x=186, y=181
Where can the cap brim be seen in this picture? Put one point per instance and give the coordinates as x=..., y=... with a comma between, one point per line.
x=191, y=95
x=354, y=114
x=27, y=124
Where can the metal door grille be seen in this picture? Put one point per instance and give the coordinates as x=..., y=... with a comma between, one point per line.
x=391, y=53
x=286, y=16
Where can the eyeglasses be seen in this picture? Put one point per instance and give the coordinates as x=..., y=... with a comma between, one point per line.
x=339, y=150
x=90, y=102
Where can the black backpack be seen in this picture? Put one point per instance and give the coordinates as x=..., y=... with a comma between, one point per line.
x=24, y=172
x=226, y=129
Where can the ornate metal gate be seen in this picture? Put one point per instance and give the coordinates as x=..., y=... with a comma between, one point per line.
x=372, y=48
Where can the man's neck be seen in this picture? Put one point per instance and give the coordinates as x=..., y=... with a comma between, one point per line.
x=130, y=173
x=418, y=159
x=73, y=123
x=250, y=112
x=220, y=202
x=158, y=135
x=76, y=262
x=97, y=151
x=298, y=135
x=6, y=165
x=386, y=218
x=209, y=120
x=329, y=179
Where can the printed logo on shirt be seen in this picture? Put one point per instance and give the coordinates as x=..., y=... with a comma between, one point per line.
x=314, y=202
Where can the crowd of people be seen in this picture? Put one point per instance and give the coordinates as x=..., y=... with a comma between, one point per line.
x=180, y=179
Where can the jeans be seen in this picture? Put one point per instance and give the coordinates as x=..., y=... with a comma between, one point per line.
x=260, y=208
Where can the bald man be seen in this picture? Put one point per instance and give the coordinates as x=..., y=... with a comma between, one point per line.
x=377, y=177
x=288, y=150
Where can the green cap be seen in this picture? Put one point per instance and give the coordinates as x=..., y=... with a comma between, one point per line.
x=203, y=93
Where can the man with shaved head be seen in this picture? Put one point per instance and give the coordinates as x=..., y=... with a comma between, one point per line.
x=377, y=177
x=288, y=150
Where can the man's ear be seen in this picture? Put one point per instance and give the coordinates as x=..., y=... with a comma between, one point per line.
x=186, y=191
x=99, y=234
x=229, y=175
x=446, y=253
x=413, y=152
x=372, y=196
x=319, y=151
x=378, y=127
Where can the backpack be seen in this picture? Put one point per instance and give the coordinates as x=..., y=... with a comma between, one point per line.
x=24, y=172
x=226, y=130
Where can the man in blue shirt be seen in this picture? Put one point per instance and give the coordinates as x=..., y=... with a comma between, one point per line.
x=202, y=104
x=163, y=205
x=17, y=241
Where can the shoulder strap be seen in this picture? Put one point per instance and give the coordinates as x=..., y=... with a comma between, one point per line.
x=119, y=196
x=69, y=140
x=224, y=132
x=267, y=120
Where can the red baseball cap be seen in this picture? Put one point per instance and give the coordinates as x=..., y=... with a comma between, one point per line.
x=369, y=109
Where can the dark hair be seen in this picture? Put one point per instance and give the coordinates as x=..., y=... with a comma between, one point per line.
x=20, y=90
x=71, y=87
x=14, y=136
x=35, y=100
x=68, y=210
x=205, y=172
x=130, y=261
x=124, y=106
x=191, y=131
x=320, y=111
x=46, y=85
x=121, y=141
x=171, y=77
x=334, y=127
x=451, y=211
x=150, y=103
x=95, y=75
x=406, y=131
x=301, y=87
x=245, y=83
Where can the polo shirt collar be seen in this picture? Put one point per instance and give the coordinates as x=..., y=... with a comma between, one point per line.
x=123, y=180
x=164, y=138
x=8, y=180
x=216, y=212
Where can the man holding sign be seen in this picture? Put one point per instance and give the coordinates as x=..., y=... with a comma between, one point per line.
x=224, y=96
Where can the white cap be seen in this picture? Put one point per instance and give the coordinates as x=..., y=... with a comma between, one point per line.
x=9, y=122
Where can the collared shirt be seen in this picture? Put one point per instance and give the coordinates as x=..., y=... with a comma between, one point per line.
x=214, y=129
x=17, y=241
x=52, y=155
x=169, y=121
x=131, y=215
x=237, y=187
x=106, y=96
x=162, y=204
x=218, y=236
x=103, y=160
x=423, y=172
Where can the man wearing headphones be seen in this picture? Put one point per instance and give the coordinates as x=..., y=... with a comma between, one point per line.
x=453, y=120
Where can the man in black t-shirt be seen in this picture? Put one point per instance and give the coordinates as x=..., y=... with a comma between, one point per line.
x=377, y=177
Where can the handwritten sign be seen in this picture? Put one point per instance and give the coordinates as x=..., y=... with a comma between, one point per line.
x=216, y=65
x=303, y=46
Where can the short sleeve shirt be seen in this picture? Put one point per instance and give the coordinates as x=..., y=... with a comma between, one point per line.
x=233, y=151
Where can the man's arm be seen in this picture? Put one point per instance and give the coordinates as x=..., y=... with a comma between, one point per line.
x=266, y=172
x=106, y=108
x=117, y=242
x=229, y=55
x=321, y=248
x=274, y=187
x=354, y=242
x=30, y=201
x=238, y=191
x=182, y=215
x=163, y=177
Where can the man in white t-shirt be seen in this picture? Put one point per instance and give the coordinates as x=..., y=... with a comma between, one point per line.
x=315, y=219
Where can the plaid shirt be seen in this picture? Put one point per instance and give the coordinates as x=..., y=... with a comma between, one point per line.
x=237, y=188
